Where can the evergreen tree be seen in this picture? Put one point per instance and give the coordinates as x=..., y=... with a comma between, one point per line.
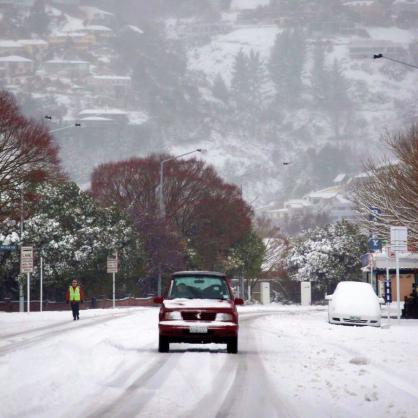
x=337, y=100
x=248, y=90
x=239, y=82
x=219, y=89
x=286, y=65
x=319, y=75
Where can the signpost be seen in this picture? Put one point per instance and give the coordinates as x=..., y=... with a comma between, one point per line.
x=398, y=244
x=374, y=244
x=4, y=248
x=388, y=282
x=112, y=267
x=26, y=266
x=305, y=293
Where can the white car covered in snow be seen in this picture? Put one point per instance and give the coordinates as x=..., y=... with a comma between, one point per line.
x=354, y=303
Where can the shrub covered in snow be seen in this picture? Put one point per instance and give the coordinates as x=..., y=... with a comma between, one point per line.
x=328, y=255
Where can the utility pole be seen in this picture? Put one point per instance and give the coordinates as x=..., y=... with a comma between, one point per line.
x=161, y=205
x=21, y=296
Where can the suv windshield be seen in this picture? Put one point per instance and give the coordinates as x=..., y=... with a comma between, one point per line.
x=199, y=287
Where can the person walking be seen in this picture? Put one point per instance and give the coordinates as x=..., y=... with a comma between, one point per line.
x=75, y=296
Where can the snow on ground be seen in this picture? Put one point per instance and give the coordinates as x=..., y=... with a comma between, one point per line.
x=291, y=363
x=219, y=55
x=248, y=4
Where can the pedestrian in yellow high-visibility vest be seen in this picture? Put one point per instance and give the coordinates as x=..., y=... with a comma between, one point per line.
x=75, y=296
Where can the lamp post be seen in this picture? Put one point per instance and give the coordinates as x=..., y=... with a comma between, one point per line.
x=378, y=56
x=161, y=205
x=75, y=125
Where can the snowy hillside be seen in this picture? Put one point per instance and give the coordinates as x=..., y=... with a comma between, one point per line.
x=255, y=82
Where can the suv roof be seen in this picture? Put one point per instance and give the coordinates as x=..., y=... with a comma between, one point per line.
x=198, y=273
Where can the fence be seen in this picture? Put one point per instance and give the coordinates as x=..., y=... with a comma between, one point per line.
x=8, y=305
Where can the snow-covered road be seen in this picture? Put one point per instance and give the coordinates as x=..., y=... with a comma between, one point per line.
x=291, y=363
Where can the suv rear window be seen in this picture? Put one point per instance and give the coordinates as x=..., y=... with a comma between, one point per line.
x=199, y=287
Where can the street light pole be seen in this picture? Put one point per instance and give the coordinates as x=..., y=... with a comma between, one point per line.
x=161, y=205
x=161, y=185
x=21, y=296
x=378, y=56
x=76, y=125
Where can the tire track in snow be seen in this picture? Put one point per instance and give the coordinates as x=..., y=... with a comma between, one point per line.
x=250, y=392
x=139, y=393
x=64, y=324
x=75, y=326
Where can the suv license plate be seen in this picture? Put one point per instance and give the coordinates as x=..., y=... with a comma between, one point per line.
x=198, y=329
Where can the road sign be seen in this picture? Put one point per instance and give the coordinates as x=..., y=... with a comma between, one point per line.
x=388, y=291
x=374, y=214
x=8, y=247
x=374, y=244
x=26, y=260
x=112, y=263
x=399, y=238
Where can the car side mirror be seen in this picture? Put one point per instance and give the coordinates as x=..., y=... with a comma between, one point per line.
x=328, y=297
x=382, y=301
x=158, y=299
x=239, y=301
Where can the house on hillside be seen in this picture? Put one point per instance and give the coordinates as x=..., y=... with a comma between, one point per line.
x=115, y=115
x=5, y=4
x=77, y=40
x=66, y=2
x=366, y=48
x=100, y=33
x=334, y=201
x=95, y=16
x=69, y=68
x=14, y=67
x=9, y=47
x=111, y=85
x=37, y=49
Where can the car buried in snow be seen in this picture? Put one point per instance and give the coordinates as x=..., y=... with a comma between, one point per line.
x=198, y=307
x=354, y=303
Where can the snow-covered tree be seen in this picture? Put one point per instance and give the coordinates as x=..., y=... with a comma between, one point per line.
x=392, y=187
x=73, y=234
x=326, y=256
x=286, y=65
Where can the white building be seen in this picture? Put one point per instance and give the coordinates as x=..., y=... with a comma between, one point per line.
x=14, y=67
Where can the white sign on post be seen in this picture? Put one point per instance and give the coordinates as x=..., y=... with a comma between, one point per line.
x=112, y=267
x=305, y=293
x=398, y=244
x=26, y=260
x=112, y=264
x=399, y=238
x=265, y=293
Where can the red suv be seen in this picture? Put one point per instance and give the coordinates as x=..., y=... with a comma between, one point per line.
x=198, y=307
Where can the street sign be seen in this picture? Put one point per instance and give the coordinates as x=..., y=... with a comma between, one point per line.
x=399, y=238
x=388, y=291
x=112, y=263
x=374, y=244
x=26, y=260
x=8, y=248
x=374, y=214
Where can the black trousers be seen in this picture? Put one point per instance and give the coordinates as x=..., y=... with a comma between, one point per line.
x=75, y=307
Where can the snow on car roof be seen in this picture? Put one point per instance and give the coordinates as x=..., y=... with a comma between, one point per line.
x=198, y=273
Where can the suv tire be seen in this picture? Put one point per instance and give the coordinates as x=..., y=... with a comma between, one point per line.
x=163, y=344
x=232, y=345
